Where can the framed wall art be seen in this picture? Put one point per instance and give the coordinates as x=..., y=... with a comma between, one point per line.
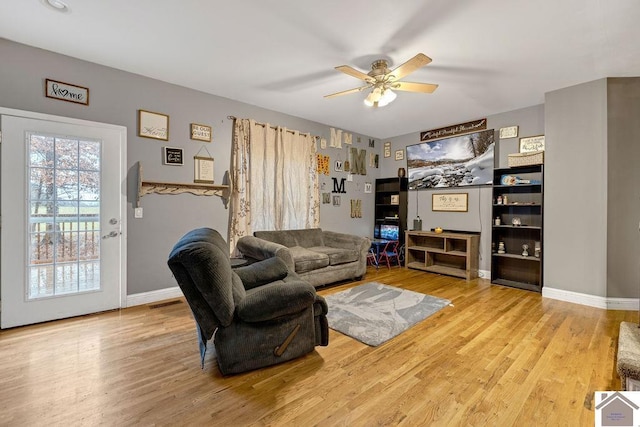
x=203, y=170
x=66, y=92
x=200, y=132
x=387, y=149
x=450, y=202
x=531, y=144
x=153, y=125
x=172, y=156
x=399, y=154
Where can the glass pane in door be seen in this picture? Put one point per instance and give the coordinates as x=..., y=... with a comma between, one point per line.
x=64, y=215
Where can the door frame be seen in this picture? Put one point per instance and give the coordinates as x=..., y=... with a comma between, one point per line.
x=122, y=280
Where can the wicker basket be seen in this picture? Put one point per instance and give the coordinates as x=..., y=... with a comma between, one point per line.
x=526, y=159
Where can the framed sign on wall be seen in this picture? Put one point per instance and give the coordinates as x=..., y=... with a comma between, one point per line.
x=450, y=202
x=172, y=156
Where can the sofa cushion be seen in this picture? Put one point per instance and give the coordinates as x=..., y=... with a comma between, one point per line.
x=290, y=238
x=307, y=260
x=337, y=255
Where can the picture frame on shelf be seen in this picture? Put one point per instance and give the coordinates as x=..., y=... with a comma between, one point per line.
x=203, y=170
x=153, y=125
x=200, y=132
x=395, y=199
x=172, y=156
x=450, y=202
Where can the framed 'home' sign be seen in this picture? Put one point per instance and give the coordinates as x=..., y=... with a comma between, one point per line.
x=66, y=92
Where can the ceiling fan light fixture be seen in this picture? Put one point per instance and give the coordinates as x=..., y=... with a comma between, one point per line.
x=374, y=97
x=387, y=97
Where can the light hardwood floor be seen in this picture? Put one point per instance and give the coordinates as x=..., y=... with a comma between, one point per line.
x=498, y=356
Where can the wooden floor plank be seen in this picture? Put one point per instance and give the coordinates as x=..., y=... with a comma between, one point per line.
x=495, y=356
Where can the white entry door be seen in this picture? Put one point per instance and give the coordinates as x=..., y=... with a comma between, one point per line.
x=62, y=206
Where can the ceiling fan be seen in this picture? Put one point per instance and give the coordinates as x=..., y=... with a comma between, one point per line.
x=382, y=80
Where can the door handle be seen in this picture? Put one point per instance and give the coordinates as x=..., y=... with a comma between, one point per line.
x=112, y=234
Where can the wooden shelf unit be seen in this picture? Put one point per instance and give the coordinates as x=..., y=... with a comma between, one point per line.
x=391, y=213
x=453, y=254
x=524, y=201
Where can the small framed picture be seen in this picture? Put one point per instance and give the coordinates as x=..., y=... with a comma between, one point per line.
x=200, y=132
x=368, y=187
x=450, y=202
x=387, y=149
x=532, y=144
x=395, y=199
x=66, y=92
x=399, y=154
x=336, y=200
x=153, y=125
x=203, y=170
x=509, y=132
x=172, y=156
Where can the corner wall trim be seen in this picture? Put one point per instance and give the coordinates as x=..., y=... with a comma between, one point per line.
x=607, y=303
x=153, y=296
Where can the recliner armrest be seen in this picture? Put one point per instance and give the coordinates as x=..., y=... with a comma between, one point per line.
x=262, y=272
x=275, y=300
x=260, y=249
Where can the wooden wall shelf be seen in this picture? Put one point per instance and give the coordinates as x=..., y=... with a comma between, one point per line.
x=156, y=187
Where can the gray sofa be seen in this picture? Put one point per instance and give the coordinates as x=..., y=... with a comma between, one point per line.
x=320, y=257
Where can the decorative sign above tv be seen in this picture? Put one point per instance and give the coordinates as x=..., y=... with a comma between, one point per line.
x=452, y=162
x=453, y=130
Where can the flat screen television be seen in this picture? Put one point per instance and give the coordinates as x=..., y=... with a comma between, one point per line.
x=389, y=231
x=458, y=161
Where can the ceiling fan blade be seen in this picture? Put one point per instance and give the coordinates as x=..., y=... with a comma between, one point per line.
x=346, y=92
x=414, y=87
x=355, y=73
x=420, y=60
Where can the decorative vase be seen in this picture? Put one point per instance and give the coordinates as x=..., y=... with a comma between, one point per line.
x=401, y=172
x=501, y=248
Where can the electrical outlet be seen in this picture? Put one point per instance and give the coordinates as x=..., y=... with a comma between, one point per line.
x=137, y=213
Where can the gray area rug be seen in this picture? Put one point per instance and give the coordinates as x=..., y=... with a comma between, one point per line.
x=374, y=313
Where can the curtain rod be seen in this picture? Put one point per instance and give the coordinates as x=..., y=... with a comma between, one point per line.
x=274, y=127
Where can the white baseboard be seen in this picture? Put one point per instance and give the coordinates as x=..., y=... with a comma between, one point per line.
x=153, y=296
x=484, y=274
x=607, y=303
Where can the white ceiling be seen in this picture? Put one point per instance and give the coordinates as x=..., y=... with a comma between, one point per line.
x=489, y=56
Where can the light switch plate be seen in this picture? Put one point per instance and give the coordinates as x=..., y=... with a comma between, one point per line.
x=137, y=213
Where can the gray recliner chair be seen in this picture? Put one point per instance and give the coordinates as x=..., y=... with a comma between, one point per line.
x=258, y=315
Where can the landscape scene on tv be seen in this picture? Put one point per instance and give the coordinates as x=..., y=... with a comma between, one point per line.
x=452, y=162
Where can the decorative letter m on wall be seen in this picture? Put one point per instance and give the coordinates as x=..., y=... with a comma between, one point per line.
x=359, y=161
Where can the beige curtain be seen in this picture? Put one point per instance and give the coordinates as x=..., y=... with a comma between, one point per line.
x=275, y=183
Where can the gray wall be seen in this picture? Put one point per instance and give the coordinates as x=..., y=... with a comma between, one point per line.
x=623, y=191
x=530, y=121
x=575, y=199
x=115, y=97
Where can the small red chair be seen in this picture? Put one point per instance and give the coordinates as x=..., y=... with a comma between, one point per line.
x=372, y=258
x=390, y=252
